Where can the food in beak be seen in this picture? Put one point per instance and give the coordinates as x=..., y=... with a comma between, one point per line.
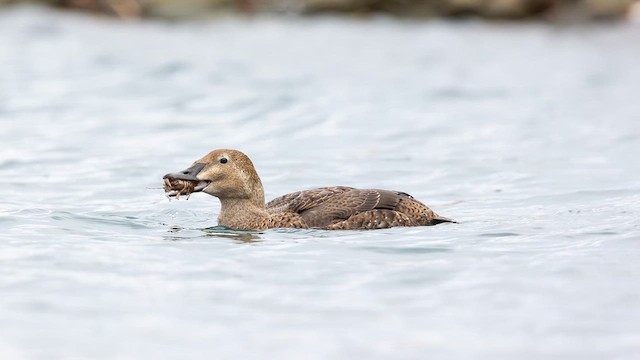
x=177, y=187
x=184, y=182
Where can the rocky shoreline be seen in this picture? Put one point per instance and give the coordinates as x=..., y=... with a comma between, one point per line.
x=548, y=10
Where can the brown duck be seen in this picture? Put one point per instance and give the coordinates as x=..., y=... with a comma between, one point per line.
x=230, y=176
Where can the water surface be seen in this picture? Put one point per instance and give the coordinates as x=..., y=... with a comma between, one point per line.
x=529, y=135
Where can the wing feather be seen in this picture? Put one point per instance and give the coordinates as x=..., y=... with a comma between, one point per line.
x=300, y=201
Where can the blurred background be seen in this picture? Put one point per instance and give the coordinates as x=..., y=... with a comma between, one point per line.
x=518, y=118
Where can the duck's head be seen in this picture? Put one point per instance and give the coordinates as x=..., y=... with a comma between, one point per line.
x=224, y=173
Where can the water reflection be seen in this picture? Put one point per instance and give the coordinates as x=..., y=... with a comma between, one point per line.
x=223, y=232
x=177, y=234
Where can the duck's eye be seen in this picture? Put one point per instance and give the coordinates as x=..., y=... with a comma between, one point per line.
x=223, y=161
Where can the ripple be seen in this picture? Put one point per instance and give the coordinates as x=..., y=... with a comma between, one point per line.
x=404, y=250
x=501, y=234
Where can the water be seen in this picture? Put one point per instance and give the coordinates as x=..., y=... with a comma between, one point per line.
x=527, y=134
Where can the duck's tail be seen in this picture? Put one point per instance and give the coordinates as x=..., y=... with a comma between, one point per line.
x=441, y=219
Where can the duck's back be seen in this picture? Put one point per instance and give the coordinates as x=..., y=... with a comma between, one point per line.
x=342, y=207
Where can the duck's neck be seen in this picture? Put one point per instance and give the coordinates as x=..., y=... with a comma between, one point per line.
x=246, y=209
x=242, y=214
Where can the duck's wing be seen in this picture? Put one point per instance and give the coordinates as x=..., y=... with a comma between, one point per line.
x=300, y=201
x=343, y=205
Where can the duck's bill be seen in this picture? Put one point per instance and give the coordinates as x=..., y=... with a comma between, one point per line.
x=184, y=182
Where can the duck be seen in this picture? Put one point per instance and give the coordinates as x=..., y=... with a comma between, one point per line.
x=231, y=176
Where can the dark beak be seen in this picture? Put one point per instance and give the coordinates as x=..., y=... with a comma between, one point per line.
x=188, y=174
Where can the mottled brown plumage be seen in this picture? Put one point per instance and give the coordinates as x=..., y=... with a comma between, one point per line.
x=231, y=176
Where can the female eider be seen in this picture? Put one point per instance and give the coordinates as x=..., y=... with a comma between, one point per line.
x=230, y=176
